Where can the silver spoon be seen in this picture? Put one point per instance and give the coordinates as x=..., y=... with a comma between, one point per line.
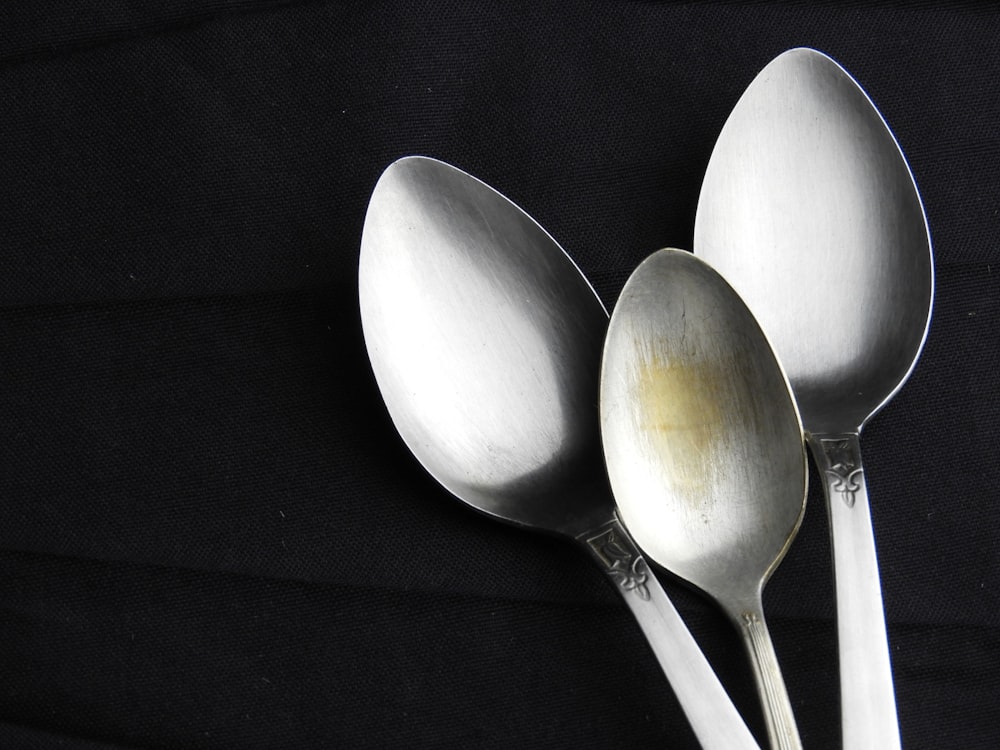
x=704, y=447
x=485, y=340
x=809, y=209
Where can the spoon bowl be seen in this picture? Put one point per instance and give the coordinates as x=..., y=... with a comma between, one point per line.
x=485, y=349
x=485, y=340
x=810, y=210
x=704, y=446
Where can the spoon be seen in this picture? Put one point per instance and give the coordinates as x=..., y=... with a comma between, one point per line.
x=485, y=340
x=704, y=448
x=809, y=209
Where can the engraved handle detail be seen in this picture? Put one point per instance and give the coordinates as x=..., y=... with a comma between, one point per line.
x=867, y=699
x=622, y=562
x=712, y=715
x=842, y=467
x=781, y=729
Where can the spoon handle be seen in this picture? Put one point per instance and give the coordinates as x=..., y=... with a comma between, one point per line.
x=781, y=728
x=868, y=704
x=711, y=713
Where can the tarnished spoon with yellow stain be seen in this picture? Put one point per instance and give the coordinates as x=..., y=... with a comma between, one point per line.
x=704, y=447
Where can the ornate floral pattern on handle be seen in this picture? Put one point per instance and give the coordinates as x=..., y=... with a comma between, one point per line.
x=843, y=471
x=620, y=559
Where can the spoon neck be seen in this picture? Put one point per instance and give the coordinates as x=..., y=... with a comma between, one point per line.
x=743, y=603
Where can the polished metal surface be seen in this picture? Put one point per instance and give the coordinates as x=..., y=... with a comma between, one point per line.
x=809, y=209
x=485, y=341
x=704, y=446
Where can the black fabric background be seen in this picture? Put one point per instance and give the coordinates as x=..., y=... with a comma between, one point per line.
x=210, y=534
